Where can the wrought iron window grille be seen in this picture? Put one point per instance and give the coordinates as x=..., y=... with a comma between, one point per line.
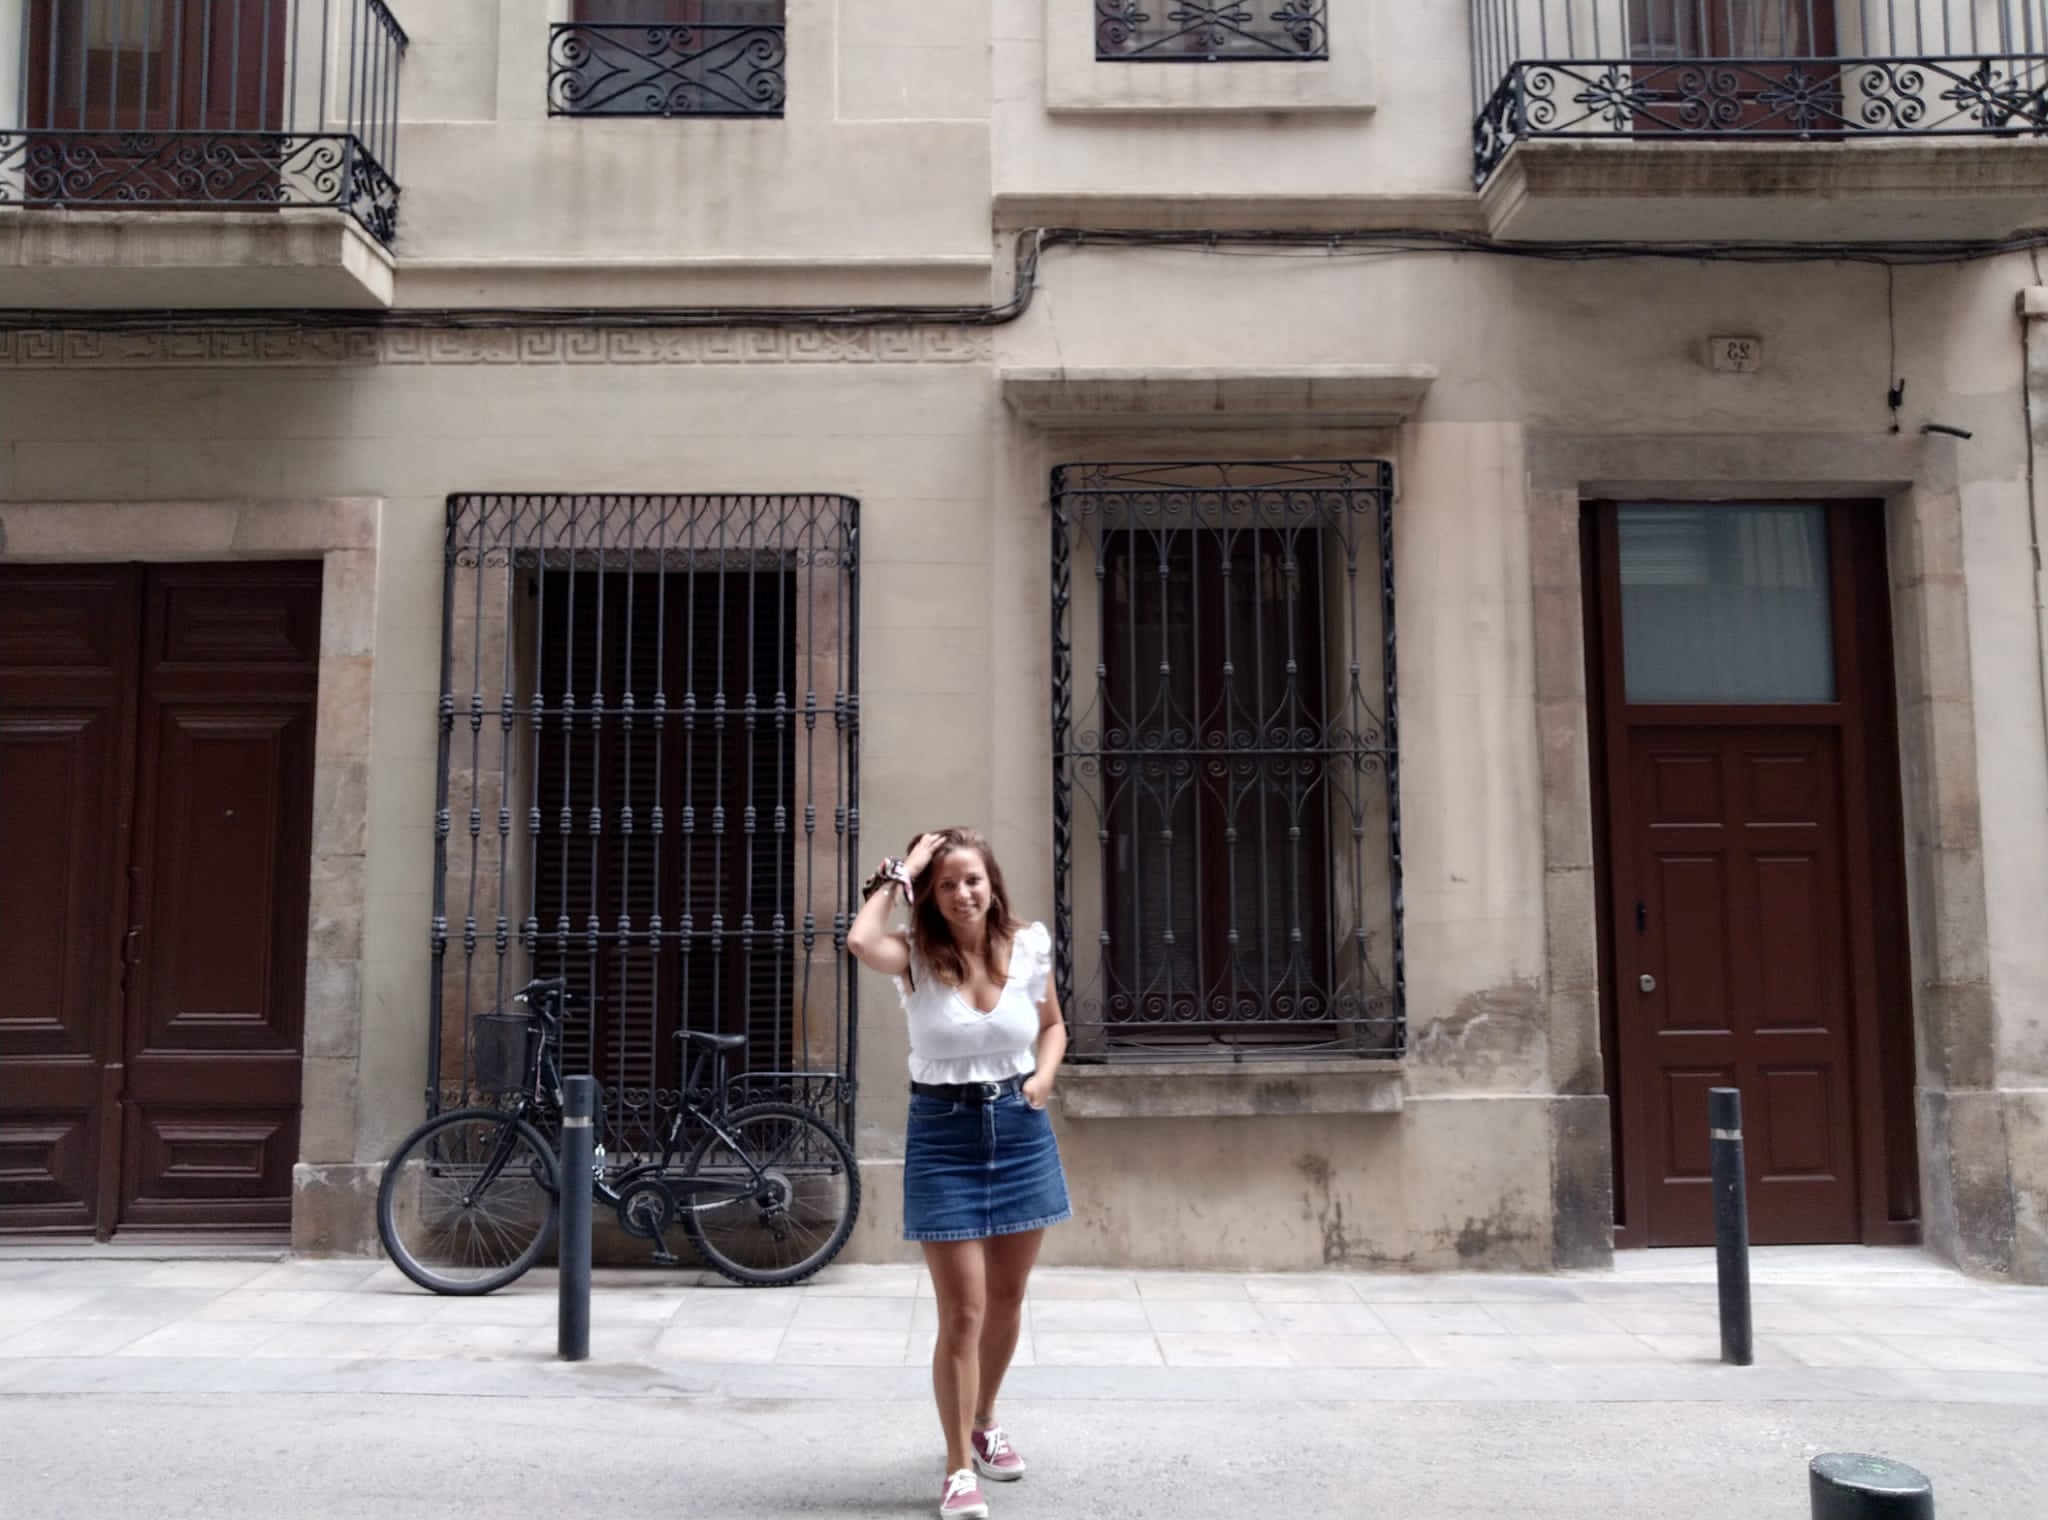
x=648, y=782
x=190, y=105
x=1226, y=789
x=1787, y=70
x=667, y=69
x=1211, y=31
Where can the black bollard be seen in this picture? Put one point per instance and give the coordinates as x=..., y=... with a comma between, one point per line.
x=579, y=1141
x=1849, y=1486
x=1731, y=1225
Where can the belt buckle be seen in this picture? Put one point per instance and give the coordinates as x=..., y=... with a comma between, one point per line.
x=990, y=1091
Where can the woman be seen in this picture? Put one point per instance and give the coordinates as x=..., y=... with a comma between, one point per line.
x=981, y=1171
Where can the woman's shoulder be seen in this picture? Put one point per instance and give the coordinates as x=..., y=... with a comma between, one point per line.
x=1034, y=939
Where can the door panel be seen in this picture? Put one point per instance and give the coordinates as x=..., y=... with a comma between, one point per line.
x=226, y=779
x=67, y=648
x=1742, y=945
x=224, y=821
x=156, y=758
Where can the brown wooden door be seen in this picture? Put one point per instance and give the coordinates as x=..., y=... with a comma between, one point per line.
x=1749, y=89
x=174, y=65
x=125, y=73
x=1754, y=891
x=68, y=642
x=156, y=747
x=1742, y=979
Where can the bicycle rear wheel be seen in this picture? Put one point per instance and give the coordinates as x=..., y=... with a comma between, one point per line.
x=468, y=1201
x=803, y=1210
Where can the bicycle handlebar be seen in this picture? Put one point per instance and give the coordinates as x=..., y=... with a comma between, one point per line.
x=543, y=985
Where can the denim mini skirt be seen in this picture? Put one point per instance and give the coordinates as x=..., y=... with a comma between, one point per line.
x=971, y=1170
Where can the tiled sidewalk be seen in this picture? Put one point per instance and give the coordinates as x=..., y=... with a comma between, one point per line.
x=1883, y=1315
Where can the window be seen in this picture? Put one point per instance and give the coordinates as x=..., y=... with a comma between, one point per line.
x=1210, y=31
x=1225, y=781
x=710, y=780
x=1725, y=603
x=668, y=58
x=648, y=718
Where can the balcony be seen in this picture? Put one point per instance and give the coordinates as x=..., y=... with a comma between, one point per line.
x=179, y=153
x=1774, y=120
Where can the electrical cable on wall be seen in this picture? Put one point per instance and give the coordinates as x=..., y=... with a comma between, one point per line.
x=1031, y=244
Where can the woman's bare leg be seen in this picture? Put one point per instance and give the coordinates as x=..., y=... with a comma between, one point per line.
x=960, y=1283
x=1007, y=1263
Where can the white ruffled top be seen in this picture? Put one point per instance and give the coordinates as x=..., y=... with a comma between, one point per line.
x=952, y=1041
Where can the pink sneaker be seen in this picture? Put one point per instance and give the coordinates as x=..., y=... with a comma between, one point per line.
x=962, y=1499
x=995, y=1457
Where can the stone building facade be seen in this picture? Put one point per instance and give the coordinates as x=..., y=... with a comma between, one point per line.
x=1484, y=574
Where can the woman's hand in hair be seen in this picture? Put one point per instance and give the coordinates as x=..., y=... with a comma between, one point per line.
x=921, y=853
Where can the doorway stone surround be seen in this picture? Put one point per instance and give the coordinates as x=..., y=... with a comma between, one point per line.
x=343, y=534
x=1970, y=1183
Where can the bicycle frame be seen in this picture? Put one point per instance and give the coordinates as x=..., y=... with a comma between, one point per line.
x=544, y=1080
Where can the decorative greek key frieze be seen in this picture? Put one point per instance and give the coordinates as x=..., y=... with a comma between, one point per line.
x=324, y=347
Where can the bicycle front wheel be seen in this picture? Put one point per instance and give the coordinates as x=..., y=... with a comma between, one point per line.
x=804, y=1194
x=468, y=1201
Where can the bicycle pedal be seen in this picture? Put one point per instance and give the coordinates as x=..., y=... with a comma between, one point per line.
x=667, y=1259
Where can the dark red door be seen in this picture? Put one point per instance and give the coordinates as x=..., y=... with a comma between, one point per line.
x=1740, y=960
x=1754, y=882
x=156, y=747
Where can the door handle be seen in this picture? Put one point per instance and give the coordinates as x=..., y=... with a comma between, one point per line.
x=1647, y=982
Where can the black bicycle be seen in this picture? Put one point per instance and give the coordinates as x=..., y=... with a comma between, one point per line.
x=470, y=1199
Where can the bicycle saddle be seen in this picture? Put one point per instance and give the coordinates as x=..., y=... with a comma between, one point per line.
x=715, y=1041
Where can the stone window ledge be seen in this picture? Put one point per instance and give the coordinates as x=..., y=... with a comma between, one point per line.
x=1235, y=1090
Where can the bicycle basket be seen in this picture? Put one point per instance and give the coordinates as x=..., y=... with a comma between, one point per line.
x=501, y=1050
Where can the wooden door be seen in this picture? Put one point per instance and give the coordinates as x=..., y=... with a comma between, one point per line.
x=115, y=75
x=125, y=66
x=67, y=710
x=1742, y=980
x=1740, y=665
x=156, y=747
x=1764, y=78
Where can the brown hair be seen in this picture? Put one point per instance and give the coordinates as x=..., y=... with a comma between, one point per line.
x=932, y=937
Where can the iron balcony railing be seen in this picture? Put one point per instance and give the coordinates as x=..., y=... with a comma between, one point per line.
x=1801, y=70
x=1211, y=31
x=731, y=63
x=181, y=105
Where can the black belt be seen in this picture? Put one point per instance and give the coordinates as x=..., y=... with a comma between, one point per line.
x=969, y=1092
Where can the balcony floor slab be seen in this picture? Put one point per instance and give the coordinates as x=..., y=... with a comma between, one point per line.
x=1668, y=190
x=66, y=259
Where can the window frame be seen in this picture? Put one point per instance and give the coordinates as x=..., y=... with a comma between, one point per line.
x=1211, y=31
x=682, y=61
x=1080, y=81
x=1341, y=991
